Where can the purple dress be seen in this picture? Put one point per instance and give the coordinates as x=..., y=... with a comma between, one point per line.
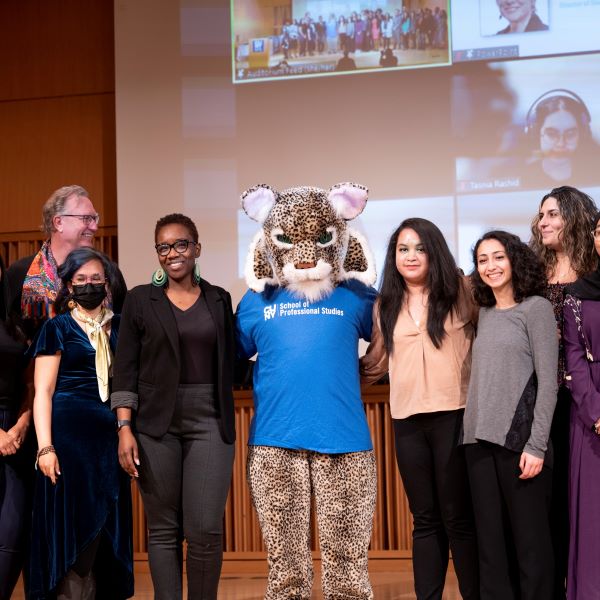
x=582, y=353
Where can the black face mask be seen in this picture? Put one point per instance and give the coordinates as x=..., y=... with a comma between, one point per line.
x=89, y=295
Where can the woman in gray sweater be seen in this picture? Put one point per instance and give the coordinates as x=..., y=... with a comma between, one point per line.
x=510, y=402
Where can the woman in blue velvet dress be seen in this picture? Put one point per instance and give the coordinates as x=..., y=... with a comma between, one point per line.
x=81, y=532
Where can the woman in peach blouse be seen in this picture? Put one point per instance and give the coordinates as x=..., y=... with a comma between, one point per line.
x=423, y=327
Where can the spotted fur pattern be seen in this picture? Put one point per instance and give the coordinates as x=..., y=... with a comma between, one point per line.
x=305, y=243
x=344, y=488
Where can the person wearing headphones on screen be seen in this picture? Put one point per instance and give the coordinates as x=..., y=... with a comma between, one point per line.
x=562, y=148
x=521, y=16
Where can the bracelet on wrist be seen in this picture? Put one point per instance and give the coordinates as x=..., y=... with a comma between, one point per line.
x=42, y=451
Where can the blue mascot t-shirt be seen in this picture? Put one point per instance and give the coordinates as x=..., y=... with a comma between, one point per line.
x=306, y=379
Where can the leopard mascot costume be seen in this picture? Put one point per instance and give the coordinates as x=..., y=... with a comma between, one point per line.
x=309, y=303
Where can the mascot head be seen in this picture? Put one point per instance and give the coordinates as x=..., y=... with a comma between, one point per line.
x=305, y=244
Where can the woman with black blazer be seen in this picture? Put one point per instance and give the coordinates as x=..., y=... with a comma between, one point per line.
x=172, y=390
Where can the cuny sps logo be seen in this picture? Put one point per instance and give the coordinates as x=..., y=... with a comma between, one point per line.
x=269, y=311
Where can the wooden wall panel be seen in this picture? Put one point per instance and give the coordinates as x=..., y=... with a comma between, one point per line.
x=49, y=143
x=18, y=245
x=50, y=49
x=57, y=114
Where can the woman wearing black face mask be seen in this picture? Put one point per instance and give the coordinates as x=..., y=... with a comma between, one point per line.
x=81, y=533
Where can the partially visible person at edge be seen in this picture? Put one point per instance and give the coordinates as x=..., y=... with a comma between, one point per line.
x=70, y=221
x=423, y=328
x=81, y=540
x=582, y=353
x=172, y=391
x=16, y=462
x=521, y=16
x=510, y=402
x=561, y=238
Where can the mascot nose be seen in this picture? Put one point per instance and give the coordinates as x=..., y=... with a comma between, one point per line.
x=305, y=265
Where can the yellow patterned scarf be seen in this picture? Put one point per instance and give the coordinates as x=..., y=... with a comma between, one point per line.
x=99, y=339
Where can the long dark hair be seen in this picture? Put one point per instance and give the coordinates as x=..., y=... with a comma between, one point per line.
x=443, y=283
x=528, y=275
x=577, y=210
x=6, y=316
x=74, y=261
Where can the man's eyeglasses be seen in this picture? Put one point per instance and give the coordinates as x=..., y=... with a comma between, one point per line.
x=180, y=246
x=87, y=219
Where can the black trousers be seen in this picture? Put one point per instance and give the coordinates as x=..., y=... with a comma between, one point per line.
x=16, y=493
x=434, y=475
x=184, y=480
x=516, y=560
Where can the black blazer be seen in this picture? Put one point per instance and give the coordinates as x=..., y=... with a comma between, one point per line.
x=147, y=363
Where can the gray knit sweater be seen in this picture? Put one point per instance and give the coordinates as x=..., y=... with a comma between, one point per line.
x=512, y=391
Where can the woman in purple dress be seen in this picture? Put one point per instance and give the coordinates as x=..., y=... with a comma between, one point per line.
x=582, y=351
x=560, y=237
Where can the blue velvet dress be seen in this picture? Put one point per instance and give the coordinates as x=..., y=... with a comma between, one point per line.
x=93, y=495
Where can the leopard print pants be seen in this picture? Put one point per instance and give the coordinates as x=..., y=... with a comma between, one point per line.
x=344, y=486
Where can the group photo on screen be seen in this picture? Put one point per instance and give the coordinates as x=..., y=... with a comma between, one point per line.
x=319, y=37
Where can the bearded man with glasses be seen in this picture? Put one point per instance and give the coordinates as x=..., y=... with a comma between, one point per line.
x=70, y=221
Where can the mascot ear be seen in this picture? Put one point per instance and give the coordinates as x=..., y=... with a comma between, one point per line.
x=348, y=199
x=258, y=202
x=359, y=262
x=258, y=270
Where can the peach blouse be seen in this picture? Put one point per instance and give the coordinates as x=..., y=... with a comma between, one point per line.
x=423, y=378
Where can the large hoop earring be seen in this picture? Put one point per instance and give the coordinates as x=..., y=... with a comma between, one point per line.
x=159, y=277
x=196, y=274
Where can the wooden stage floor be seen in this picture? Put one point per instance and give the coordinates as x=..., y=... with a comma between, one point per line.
x=386, y=586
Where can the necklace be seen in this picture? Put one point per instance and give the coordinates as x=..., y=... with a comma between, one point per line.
x=417, y=307
x=564, y=276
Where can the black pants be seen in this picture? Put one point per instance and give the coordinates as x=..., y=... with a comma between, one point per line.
x=434, y=475
x=513, y=530
x=16, y=493
x=559, y=508
x=184, y=480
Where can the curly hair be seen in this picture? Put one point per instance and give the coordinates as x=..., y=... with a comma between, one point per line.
x=577, y=210
x=528, y=277
x=443, y=283
x=176, y=219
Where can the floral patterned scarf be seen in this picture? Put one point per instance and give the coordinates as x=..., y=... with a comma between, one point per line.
x=41, y=286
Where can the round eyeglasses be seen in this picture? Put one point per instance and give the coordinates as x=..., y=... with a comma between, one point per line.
x=180, y=246
x=568, y=136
